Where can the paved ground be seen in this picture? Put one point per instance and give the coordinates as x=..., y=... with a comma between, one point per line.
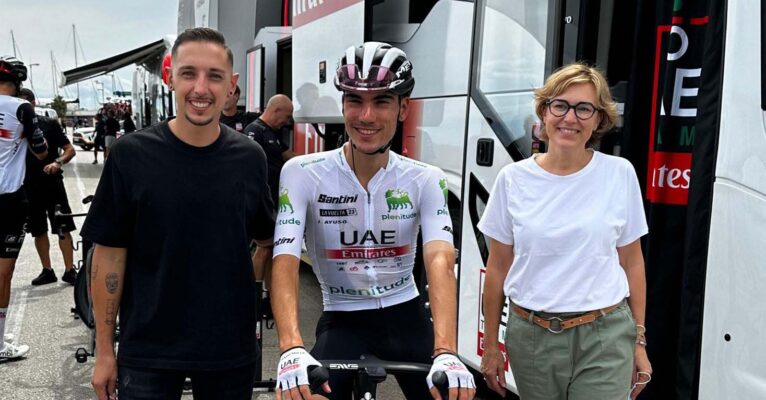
x=41, y=318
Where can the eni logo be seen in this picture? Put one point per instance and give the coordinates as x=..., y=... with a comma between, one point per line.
x=284, y=200
x=443, y=185
x=396, y=199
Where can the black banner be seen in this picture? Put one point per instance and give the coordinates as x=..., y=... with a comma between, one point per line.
x=671, y=130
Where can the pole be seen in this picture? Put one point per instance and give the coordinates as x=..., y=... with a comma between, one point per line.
x=74, y=39
x=13, y=41
x=32, y=81
x=53, y=76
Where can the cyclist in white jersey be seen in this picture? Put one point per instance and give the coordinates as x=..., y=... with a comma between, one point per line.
x=361, y=208
x=18, y=132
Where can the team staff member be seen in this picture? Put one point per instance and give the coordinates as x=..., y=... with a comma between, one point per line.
x=565, y=229
x=361, y=207
x=172, y=218
x=18, y=132
x=233, y=117
x=266, y=130
x=44, y=184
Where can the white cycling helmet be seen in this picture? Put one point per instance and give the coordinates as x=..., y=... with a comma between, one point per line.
x=375, y=66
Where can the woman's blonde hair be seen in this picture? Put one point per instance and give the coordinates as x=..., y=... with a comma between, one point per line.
x=573, y=74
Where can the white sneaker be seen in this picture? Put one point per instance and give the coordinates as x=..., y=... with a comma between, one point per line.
x=11, y=351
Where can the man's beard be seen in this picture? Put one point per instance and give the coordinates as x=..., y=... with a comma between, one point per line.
x=196, y=123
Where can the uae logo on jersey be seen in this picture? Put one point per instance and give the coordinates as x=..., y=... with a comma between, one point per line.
x=397, y=199
x=284, y=200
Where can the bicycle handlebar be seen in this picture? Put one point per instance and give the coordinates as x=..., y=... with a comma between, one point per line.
x=320, y=375
x=57, y=209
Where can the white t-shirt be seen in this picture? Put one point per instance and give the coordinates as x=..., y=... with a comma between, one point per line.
x=565, y=231
x=362, y=243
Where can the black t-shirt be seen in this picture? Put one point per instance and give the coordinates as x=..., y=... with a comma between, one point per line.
x=273, y=145
x=186, y=216
x=238, y=121
x=128, y=125
x=56, y=139
x=112, y=126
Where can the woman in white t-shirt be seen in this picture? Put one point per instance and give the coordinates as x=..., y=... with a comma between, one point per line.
x=564, y=231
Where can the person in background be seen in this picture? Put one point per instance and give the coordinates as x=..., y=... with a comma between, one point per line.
x=232, y=116
x=267, y=131
x=18, y=133
x=44, y=183
x=564, y=229
x=111, y=128
x=98, y=137
x=127, y=123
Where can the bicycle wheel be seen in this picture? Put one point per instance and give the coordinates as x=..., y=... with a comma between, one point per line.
x=82, y=296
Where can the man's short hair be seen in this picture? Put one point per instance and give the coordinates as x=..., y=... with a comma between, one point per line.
x=202, y=35
x=237, y=90
x=27, y=94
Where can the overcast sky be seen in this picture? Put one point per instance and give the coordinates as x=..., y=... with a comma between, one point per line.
x=104, y=28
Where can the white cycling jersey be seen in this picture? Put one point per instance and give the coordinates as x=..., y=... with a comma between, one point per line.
x=362, y=243
x=13, y=145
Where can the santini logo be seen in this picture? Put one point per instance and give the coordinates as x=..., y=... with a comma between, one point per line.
x=337, y=199
x=284, y=240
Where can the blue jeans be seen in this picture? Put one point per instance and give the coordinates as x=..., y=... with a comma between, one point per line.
x=161, y=384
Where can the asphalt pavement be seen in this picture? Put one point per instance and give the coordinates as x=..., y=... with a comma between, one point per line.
x=41, y=317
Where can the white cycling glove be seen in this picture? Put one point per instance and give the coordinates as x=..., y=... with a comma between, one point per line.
x=457, y=373
x=292, y=368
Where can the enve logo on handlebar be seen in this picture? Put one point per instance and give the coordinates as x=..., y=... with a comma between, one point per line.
x=371, y=372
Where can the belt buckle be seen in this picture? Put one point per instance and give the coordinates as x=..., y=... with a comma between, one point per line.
x=557, y=322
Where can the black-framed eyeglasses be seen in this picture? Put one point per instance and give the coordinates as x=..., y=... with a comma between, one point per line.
x=583, y=110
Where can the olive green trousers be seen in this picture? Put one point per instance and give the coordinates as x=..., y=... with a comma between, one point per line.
x=588, y=362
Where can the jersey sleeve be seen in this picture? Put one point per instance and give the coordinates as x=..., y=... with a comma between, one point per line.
x=635, y=219
x=435, y=221
x=292, y=206
x=497, y=221
x=28, y=119
x=110, y=219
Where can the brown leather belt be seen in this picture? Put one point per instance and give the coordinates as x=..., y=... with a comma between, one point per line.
x=558, y=325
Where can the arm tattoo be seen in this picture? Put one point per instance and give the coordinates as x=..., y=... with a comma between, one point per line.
x=111, y=313
x=93, y=272
x=111, y=282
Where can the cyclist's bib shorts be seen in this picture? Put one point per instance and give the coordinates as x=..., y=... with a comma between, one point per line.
x=13, y=216
x=398, y=333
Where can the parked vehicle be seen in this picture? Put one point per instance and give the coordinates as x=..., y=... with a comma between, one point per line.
x=84, y=137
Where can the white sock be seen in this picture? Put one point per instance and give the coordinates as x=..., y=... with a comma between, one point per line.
x=3, y=313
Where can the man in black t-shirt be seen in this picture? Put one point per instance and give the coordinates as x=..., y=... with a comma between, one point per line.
x=234, y=118
x=172, y=218
x=44, y=184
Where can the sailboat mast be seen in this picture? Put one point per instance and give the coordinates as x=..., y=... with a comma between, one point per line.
x=53, y=76
x=74, y=39
x=13, y=41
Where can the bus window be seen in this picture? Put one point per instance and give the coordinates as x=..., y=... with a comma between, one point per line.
x=509, y=63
